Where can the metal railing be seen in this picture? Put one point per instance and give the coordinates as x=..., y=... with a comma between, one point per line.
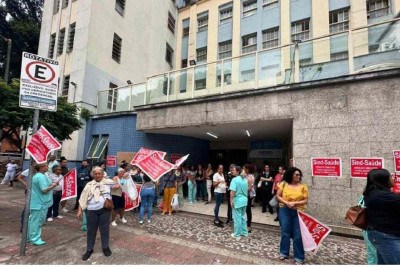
x=365, y=49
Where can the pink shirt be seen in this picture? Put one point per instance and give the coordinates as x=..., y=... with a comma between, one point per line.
x=277, y=180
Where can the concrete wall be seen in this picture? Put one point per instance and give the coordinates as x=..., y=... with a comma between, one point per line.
x=353, y=117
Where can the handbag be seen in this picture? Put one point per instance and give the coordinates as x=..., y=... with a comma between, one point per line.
x=108, y=204
x=274, y=202
x=357, y=216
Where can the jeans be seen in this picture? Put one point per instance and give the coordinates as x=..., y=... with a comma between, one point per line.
x=289, y=222
x=201, y=190
x=239, y=222
x=192, y=191
x=372, y=258
x=266, y=196
x=387, y=247
x=147, y=197
x=218, y=201
x=98, y=220
x=52, y=212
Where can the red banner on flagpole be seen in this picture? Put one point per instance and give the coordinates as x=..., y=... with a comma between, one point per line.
x=144, y=152
x=129, y=204
x=154, y=166
x=41, y=144
x=69, y=187
x=313, y=232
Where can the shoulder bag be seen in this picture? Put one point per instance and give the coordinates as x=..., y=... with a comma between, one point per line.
x=108, y=204
x=357, y=216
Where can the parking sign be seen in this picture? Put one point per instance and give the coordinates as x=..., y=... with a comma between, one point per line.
x=39, y=82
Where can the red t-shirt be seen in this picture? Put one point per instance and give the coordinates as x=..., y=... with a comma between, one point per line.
x=277, y=180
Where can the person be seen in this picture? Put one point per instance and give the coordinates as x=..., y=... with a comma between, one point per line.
x=83, y=179
x=277, y=179
x=23, y=179
x=219, y=191
x=372, y=256
x=292, y=196
x=170, y=188
x=185, y=186
x=181, y=179
x=239, y=198
x=192, y=187
x=200, y=182
x=10, y=173
x=52, y=161
x=56, y=177
x=228, y=180
x=64, y=171
x=248, y=170
x=383, y=216
x=147, y=198
x=41, y=200
x=118, y=198
x=209, y=173
x=98, y=218
x=265, y=184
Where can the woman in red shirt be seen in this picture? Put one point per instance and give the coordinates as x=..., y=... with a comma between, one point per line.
x=277, y=179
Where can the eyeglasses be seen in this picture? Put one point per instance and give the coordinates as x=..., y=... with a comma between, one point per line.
x=297, y=174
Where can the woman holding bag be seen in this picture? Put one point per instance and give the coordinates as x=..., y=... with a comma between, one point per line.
x=96, y=202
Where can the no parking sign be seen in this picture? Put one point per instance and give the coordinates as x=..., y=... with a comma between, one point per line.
x=39, y=82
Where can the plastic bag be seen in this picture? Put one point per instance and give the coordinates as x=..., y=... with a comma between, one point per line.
x=274, y=201
x=175, y=202
x=129, y=188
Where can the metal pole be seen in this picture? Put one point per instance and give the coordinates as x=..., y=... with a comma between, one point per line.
x=28, y=191
x=7, y=69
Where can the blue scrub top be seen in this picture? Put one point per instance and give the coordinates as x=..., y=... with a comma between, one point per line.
x=40, y=200
x=240, y=186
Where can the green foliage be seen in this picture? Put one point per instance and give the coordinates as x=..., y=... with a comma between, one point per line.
x=85, y=113
x=61, y=123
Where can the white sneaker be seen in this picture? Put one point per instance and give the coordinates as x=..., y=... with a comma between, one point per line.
x=114, y=223
x=123, y=220
x=233, y=235
x=60, y=217
x=50, y=219
x=64, y=210
x=149, y=221
x=141, y=222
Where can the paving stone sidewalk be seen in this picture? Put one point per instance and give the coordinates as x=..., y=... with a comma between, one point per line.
x=183, y=238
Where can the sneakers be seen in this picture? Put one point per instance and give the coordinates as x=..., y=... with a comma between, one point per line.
x=49, y=219
x=236, y=237
x=123, y=220
x=60, y=217
x=149, y=221
x=114, y=223
x=218, y=224
x=140, y=222
x=64, y=210
x=87, y=255
x=107, y=252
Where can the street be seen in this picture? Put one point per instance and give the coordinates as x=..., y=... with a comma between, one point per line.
x=183, y=238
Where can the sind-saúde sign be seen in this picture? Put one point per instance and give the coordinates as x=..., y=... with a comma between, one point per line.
x=396, y=156
x=180, y=161
x=129, y=204
x=111, y=161
x=326, y=167
x=69, y=186
x=144, y=152
x=359, y=167
x=154, y=166
x=313, y=232
x=41, y=144
x=39, y=82
x=396, y=185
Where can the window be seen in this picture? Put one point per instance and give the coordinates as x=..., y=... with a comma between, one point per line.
x=112, y=97
x=64, y=4
x=56, y=7
x=186, y=31
x=65, y=87
x=51, y=45
x=169, y=54
x=338, y=21
x=249, y=43
x=247, y=76
x=270, y=3
x=117, y=47
x=249, y=8
x=171, y=23
x=201, y=84
x=270, y=38
x=339, y=56
x=305, y=62
x=120, y=6
x=225, y=14
x=202, y=22
x=225, y=49
x=227, y=79
x=61, y=38
x=201, y=55
x=98, y=147
x=377, y=8
x=301, y=30
x=184, y=63
x=71, y=37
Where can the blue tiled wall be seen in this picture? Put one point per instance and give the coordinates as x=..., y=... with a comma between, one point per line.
x=124, y=137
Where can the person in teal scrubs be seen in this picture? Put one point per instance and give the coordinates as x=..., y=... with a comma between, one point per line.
x=41, y=200
x=238, y=197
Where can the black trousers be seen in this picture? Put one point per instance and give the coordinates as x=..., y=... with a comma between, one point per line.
x=98, y=219
x=229, y=212
x=53, y=210
x=78, y=196
x=266, y=196
x=248, y=211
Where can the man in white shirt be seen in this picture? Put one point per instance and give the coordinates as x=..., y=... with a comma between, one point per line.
x=11, y=169
x=219, y=191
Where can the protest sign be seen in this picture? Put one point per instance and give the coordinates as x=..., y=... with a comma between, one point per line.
x=313, y=232
x=180, y=161
x=326, y=167
x=129, y=204
x=396, y=156
x=41, y=144
x=359, y=167
x=175, y=157
x=154, y=166
x=396, y=185
x=69, y=186
x=144, y=152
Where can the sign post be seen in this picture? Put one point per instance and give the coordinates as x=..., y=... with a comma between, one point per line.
x=38, y=90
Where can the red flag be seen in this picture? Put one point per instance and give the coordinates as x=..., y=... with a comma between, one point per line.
x=41, y=144
x=144, y=152
x=69, y=186
x=313, y=232
x=154, y=166
x=129, y=204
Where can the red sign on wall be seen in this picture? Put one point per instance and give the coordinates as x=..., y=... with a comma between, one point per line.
x=129, y=204
x=359, y=167
x=396, y=186
x=326, y=167
x=396, y=156
x=41, y=144
x=111, y=161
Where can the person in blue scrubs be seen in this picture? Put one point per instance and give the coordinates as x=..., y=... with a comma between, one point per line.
x=41, y=200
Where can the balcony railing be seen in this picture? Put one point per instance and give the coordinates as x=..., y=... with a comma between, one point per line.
x=371, y=48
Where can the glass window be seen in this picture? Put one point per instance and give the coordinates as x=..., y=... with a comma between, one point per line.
x=117, y=47
x=61, y=37
x=270, y=38
x=249, y=8
x=339, y=56
x=225, y=14
x=249, y=43
x=65, y=87
x=339, y=21
x=52, y=45
x=202, y=22
x=56, y=7
x=100, y=148
x=169, y=54
x=120, y=6
x=171, y=23
x=71, y=37
x=93, y=146
x=112, y=97
x=377, y=8
x=270, y=3
x=301, y=30
x=201, y=55
x=225, y=49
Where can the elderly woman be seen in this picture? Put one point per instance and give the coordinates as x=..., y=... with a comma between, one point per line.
x=118, y=197
x=292, y=196
x=238, y=197
x=92, y=201
x=41, y=200
x=56, y=177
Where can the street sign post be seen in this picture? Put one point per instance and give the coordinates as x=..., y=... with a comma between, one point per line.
x=38, y=90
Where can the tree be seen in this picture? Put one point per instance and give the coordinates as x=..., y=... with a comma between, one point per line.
x=20, y=21
x=61, y=123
